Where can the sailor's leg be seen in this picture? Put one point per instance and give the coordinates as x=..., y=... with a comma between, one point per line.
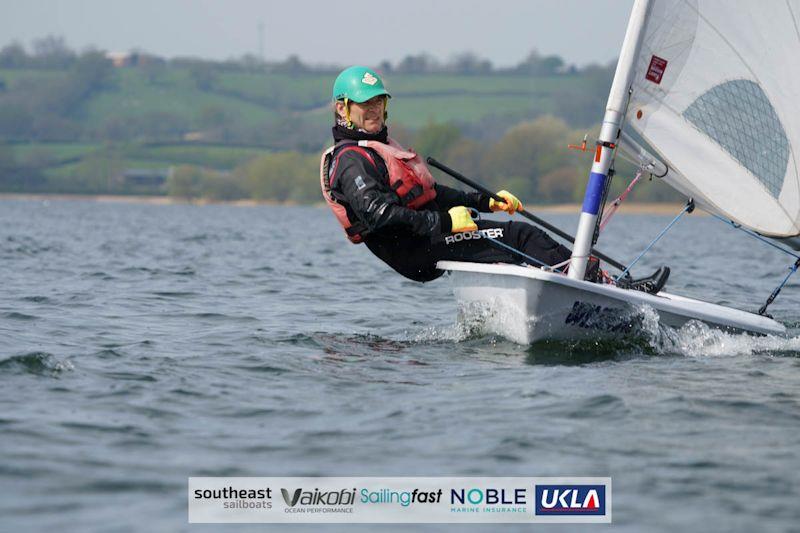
x=416, y=259
x=536, y=243
x=474, y=246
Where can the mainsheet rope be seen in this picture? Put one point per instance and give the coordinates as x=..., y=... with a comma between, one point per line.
x=753, y=234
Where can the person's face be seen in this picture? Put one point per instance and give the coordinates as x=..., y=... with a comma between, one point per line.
x=368, y=116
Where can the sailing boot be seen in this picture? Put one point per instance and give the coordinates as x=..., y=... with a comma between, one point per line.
x=651, y=284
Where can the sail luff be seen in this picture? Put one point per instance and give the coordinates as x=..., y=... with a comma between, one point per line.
x=606, y=143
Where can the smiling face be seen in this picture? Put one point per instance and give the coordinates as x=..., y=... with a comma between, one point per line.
x=368, y=116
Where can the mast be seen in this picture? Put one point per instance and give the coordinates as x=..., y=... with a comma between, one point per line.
x=606, y=143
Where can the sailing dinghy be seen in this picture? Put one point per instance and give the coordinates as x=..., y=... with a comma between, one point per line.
x=711, y=89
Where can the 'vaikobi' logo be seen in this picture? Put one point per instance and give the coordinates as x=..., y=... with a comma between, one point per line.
x=299, y=500
x=570, y=500
x=291, y=501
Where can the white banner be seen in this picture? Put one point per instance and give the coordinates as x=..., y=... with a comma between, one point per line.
x=395, y=500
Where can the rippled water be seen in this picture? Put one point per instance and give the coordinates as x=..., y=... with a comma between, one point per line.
x=140, y=345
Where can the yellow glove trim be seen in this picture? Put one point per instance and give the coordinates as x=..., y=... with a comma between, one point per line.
x=461, y=219
x=511, y=204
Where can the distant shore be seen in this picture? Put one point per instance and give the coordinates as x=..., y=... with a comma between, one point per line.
x=643, y=208
x=134, y=199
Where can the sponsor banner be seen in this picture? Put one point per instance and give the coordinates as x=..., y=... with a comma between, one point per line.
x=396, y=500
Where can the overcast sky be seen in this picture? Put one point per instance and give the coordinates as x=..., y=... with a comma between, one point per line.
x=332, y=31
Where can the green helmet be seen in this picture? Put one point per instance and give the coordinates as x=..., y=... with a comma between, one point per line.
x=358, y=84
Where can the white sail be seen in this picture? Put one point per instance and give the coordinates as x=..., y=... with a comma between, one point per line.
x=716, y=94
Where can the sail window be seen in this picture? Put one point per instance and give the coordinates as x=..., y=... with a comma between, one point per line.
x=739, y=117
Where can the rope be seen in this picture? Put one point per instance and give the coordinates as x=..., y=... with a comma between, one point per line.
x=525, y=256
x=517, y=252
x=621, y=198
x=561, y=264
x=688, y=207
x=753, y=234
x=777, y=291
x=498, y=244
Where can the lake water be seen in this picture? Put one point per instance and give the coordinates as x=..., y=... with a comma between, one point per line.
x=141, y=345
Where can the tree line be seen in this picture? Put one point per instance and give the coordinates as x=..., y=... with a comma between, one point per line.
x=531, y=159
x=52, y=52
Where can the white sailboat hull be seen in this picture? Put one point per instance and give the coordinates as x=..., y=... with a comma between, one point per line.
x=526, y=305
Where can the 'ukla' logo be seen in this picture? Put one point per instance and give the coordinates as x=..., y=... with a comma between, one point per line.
x=570, y=500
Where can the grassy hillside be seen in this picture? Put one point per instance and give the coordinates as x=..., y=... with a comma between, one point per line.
x=134, y=97
x=177, y=100
x=233, y=132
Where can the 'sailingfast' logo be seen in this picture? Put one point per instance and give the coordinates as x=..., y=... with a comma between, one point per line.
x=570, y=500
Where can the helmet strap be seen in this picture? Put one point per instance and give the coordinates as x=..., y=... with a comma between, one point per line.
x=347, y=112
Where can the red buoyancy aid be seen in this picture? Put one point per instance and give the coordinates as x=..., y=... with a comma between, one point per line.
x=409, y=178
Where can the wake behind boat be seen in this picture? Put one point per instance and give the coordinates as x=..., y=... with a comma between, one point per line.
x=710, y=91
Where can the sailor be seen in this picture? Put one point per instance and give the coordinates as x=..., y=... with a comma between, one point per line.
x=384, y=196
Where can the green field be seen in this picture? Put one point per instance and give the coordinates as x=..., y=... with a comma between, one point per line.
x=14, y=77
x=63, y=156
x=264, y=100
x=135, y=98
x=55, y=151
x=218, y=157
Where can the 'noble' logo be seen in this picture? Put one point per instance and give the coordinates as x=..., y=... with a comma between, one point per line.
x=570, y=500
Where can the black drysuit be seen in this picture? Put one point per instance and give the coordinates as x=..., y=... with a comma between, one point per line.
x=411, y=241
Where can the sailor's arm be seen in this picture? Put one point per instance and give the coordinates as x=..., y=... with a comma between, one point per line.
x=448, y=197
